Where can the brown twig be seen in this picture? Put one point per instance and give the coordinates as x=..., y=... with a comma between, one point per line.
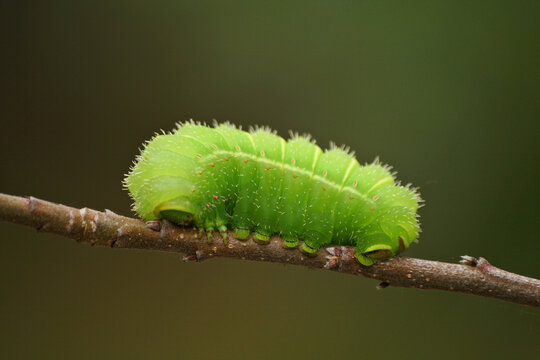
x=472, y=276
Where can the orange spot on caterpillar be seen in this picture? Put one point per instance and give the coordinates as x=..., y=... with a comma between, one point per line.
x=199, y=156
x=355, y=183
x=214, y=146
x=294, y=176
x=226, y=159
x=262, y=153
x=245, y=161
x=212, y=165
x=324, y=173
x=216, y=197
x=376, y=197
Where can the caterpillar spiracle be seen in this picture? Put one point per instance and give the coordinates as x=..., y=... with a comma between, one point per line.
x=223, y=178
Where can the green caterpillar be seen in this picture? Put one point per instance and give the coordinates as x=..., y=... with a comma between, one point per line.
x=222, y=178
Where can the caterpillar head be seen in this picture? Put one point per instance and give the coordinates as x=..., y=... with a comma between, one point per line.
x=394, y=231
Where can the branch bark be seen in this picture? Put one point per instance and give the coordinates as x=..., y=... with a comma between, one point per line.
x=472, y=276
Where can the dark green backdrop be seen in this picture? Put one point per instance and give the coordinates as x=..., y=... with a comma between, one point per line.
x=446, y=92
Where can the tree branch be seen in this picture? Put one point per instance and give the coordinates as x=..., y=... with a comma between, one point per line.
x=472, y=276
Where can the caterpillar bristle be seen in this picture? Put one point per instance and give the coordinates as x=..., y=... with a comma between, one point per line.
x=388, y=168
x=264, y=128
x=376, y=161
x=227, y=123
x=343, y=148
x=294, y=135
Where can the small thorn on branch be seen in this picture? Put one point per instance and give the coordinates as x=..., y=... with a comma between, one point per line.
x=468, y=260
x=332, y=260
x=481, y=264
x=154, y=225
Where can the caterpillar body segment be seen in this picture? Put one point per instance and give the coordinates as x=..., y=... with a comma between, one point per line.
x=270, y=152
x=224, y=178
x=301, y=156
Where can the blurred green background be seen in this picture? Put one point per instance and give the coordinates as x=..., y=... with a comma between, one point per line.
x=446, y=92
